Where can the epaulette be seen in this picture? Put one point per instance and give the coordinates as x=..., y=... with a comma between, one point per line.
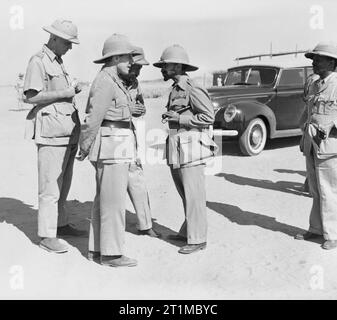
x=39, y=54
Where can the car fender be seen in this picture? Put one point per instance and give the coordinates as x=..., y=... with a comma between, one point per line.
x=249, y=110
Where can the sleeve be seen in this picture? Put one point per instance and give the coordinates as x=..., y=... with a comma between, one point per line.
x=202, y=108
x=99, y=101
x=34, y=79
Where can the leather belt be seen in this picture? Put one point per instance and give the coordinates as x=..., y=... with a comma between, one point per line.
x=116, y=124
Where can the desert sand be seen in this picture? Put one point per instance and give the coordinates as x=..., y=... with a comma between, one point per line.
x=255, y=206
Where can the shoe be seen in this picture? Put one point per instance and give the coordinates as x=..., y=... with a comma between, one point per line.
x=94, y=255
x=190, y=248
x=307, y=236
x=150, y=232
x=329, y=244
x=68, y=230
x=118, y=261
x=53, y=245
x=176, y=237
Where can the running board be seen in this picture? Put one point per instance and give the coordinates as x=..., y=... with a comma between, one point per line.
x=287, y=133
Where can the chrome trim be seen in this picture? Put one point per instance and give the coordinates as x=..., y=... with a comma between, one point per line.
x=223, y=133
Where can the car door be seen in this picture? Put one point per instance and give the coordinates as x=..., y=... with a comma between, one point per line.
x=288, y=104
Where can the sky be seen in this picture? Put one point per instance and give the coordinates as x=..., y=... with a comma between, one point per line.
x=213, y=32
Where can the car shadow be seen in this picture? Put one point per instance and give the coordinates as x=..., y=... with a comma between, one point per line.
x=279, y=143
x=236, y=215
x=283, y=186
x=24, y=217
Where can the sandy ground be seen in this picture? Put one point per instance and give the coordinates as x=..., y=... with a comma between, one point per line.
x=254, y=205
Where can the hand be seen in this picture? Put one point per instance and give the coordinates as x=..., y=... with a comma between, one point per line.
x=324, y=131
x=171, y=116
x=137, y=110
x=77, y=86
x=70, y=92
x=81, y=156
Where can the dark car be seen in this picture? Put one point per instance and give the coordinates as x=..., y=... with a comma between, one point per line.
x=258, y=102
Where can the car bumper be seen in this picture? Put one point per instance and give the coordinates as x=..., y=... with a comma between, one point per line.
x=225, y=133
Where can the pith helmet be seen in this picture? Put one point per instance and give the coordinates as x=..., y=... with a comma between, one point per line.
x=139, y=57
x=175, y=54
x=115, y=45
x=64, y=29
x=328, y=49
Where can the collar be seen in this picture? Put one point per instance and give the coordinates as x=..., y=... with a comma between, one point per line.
x=182, y=83
x=326, y=79
x=51, y=55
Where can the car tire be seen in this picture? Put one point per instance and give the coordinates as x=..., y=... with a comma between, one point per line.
x=254, y=138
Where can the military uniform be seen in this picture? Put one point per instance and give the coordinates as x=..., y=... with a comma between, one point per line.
x=188, y=146
x=321, y=154
x=137, y=189
x=55, y=129
x=108, y=137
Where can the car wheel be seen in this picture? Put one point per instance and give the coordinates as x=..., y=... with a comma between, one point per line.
x=253, y=139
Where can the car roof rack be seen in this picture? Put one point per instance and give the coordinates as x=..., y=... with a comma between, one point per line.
x=271, y=54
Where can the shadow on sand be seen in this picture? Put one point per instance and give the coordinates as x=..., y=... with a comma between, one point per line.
x=283, y=186
x=236, y=215
x=24, y=217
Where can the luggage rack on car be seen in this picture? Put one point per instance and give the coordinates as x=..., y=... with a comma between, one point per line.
x=271, y=54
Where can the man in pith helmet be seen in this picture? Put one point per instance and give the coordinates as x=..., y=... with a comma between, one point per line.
x=189, y=114
x=108, y=139
x=54, y=125
x=319, y=145
x=136, y=186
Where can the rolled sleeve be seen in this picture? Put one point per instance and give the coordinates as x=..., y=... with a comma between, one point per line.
x=202, y=108
x=34, y=79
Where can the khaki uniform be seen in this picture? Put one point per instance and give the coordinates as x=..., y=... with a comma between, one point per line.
x=108, y=136
x=188, y=146
x=137, y=189
x=321, y=154
x=55, y=129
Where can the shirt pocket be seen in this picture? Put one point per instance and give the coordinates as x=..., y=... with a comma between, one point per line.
x=59, y=120
x=327, y=148
x=178, y=101
x=117, y=144
x=56, y=78
x=195, y=145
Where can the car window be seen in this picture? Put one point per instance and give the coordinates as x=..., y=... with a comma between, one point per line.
x=236, y=76
x=292, y=77
x=252, y=76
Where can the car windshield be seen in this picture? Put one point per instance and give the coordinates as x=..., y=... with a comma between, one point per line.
x=257, y=76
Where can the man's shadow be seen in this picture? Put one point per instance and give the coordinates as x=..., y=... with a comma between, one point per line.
x=283, y=186
x=24, y=217
x=236, y=215
x=300, y=172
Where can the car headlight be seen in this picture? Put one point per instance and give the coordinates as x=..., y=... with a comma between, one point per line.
x=230, y=113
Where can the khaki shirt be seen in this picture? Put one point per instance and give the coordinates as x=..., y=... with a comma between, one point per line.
x=108, y=100
x=56, y=123
x=189, y=141
x=184, y=93
x=321, y=99
x=136, y=93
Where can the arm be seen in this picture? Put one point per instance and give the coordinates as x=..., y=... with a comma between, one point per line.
x=202, y=108
x=99, y=101
x=46, y=97
x=34, y=86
